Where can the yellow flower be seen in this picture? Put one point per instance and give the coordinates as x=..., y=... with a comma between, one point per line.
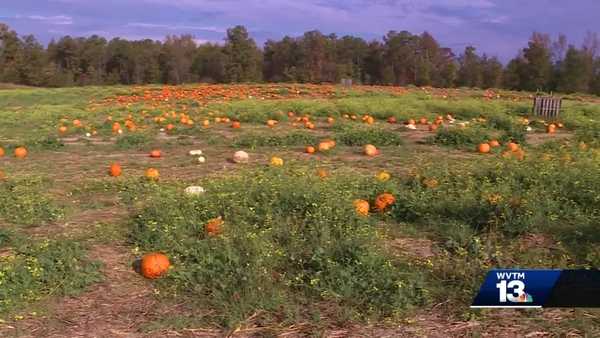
x=383, y=176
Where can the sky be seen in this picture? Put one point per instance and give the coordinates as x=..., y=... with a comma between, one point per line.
x=497, y=27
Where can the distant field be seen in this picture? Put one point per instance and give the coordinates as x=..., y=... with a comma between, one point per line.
x=294, y=256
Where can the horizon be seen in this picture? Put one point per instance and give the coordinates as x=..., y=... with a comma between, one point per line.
x=497, y=28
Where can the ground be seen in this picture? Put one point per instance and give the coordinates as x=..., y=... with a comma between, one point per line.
x=98, y=212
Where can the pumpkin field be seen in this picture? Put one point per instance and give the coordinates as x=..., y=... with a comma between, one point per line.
x=288, y=210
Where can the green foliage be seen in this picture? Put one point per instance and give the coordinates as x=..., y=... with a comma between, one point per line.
x=290, y=240
x=360, y=135
x=466, y=138
x=30, y=269
x=255, y=140
x=136, y=140
x=23, y=202
x=558, y=195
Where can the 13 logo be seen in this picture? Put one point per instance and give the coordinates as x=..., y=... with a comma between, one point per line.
x=512, y=291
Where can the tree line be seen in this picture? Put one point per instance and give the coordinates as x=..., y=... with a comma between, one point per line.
x=400, y=58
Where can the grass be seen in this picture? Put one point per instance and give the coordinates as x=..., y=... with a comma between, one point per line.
x=22, y=202
x=31, y=270
x=293, y=252
x=291, y=238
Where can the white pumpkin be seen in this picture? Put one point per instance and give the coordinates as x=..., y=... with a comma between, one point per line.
x=201, y=159
x=194, y=190
x=240, y=157
x=197, y=152
x=411, y=126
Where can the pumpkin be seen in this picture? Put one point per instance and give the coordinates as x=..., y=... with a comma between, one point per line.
x=1, y=151
x=201, y=159
x=392, y=120
x=155, y=153
x=551, y=128
x=196, y=152
x=20, y=152
x=276, y=161
x=431, y=183
x=484, y=148
x=512, y=146
x=324, y=146
x=116, y=127
x=369, y=120
x=272, y=123
x=322, y=173
x=115, y=170
x=423, y=121
x=383, y=201
x=194, y=190
x=240, y=157
x=560, y=125
x=330, y=120
x=213, y=226
x=383, y=176
x=235, y=125
x=494, y=143
x=371, y=150
x=170, y=127
x=361, y=207
x=62, y=129
x=152, y=174
x=310, y=150
x=309, y=125
x=410, y=121
x=433, y=127
x=205, y=123
x=77, y=123
x=154, y=265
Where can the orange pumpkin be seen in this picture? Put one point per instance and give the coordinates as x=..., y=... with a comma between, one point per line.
x=392, y=120
x=1, y=151
x=322, y=173
x=512, y=146
x=433, y=127
x=310, y=150
x=383, y=201
x=371, y=150
x=551, y=128
x=62, y=129
x=361, y=207
x=152, y=174
x=494, y=143
x=423, y=120
x=155, y=153
x=213, y=226
x=77, y=123
x=20, y=152
x=115, y=170
x=271, y=123
x=154, y=265
x=369, y=120
x=235, y=125
x=170, y=127
x=484, y=148
x=324, y=146
x=116, y=127
x=330, y=120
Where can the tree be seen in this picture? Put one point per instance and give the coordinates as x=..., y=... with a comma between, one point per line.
x=470, y=72
x=575, y=73
x=537, y=69
x=242, y=58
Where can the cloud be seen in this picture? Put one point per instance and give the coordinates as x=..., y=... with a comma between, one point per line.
x=53, y=20
x=176, y=27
